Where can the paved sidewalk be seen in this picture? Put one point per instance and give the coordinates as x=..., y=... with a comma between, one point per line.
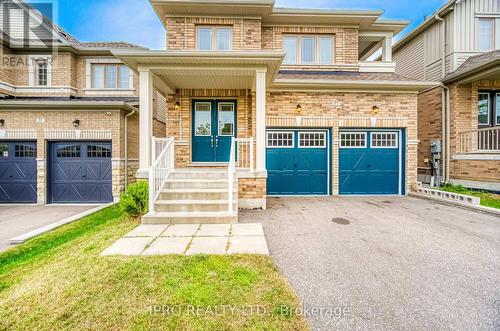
x=191, y=239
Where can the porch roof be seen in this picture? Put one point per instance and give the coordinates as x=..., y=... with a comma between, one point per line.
x=482, y=66
x=203, y=70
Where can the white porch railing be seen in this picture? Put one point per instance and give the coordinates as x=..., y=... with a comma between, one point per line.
x=163, y=165
x=245, y=154
x=479, y=141
x=157, y=146
x=230, y=176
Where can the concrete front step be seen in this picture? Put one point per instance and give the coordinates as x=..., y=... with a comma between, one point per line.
x=188, y=173
x=190, y=218
x=193, y=205
x=197, y=183
x=195, y=194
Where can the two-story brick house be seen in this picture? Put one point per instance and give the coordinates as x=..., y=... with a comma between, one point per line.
x=310, y=115
x=68, y=115
x=458, y=46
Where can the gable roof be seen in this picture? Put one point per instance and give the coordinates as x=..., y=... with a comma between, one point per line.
x=482, y=64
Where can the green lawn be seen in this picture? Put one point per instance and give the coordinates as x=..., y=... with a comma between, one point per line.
x=487, y=199
x=59, y=281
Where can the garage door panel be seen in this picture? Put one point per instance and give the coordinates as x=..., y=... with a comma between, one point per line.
x=81, y=172
x=295, y=170
x=369, y=170
x=18, y=172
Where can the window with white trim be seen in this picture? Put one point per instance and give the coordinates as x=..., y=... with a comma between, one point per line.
x=485, y=34
x=497, y=108
x=110, y=76
x=41, y=72
x=483, y=109
x=280, y=139
x=384, y=140
x=353, y=139
x=203, y=119
x=214, y=38
x=308, y=49
x=312, y=139
x=226, y=118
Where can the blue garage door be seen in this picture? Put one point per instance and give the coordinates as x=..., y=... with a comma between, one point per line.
x=297, y=162
x=80, y=172
x=370, y=162
x=17, y=172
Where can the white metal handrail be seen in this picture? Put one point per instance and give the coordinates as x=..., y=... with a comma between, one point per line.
x=479, y=141
x=157, y=146
x=160, y=170
x=245, y=154
x=230, y=175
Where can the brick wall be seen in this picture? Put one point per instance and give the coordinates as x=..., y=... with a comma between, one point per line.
x=429, y=124
x=181, y=32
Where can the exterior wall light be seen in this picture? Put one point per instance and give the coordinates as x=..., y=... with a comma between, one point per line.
x=76, y=123
x=375, y=110
x=298, y=109
x=177, y=105
x=2, y=122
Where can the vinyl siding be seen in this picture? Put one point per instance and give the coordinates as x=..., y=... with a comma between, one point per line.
x=410, y=59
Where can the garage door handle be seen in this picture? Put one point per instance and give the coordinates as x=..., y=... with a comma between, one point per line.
x=84, y=176
x=369, y=166
x=295, y=166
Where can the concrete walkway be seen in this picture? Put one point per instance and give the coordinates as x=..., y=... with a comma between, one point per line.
x=191, y=239
x=16, y=220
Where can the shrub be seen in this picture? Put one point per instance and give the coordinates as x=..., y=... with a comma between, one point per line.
x=134, y=201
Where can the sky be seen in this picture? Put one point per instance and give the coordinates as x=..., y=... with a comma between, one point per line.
x=136, y=22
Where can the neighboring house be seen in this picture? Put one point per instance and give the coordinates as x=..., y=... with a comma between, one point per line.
x=68, y=116
x=310, y=115
x=459, y=46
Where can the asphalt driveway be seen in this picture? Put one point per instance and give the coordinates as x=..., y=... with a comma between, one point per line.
x=19, y=219
x=395, y=263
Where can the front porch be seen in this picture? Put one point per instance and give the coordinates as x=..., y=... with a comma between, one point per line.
x=213, y=161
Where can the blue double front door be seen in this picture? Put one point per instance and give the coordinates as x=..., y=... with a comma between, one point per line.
x=214, y=124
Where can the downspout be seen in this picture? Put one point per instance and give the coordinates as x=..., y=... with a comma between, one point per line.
x=445, y=105
x=134, y=110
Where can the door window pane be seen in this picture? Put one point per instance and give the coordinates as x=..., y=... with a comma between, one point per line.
x=307, y=50
x=497, y=109
x=124, y=76
x=353, y=140
x=204, y=39
x=483, y=109
x=203, y=119
x=98, y=76
x=69, y=151
x=312, y=139
x=485, y=35
x=223, y=39
x=4, y=151
x=290, y=48
x=111, y=76
x=384, y=140
x=22, y=151
x=325, y=50
x=277, y=139
x=94, y=151
x=226, y=119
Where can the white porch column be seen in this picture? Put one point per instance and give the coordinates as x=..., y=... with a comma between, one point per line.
x=260, y=97
x=145, y=121
x=387, y=49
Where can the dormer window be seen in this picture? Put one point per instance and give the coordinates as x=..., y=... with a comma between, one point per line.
x=308, y=50
x=217, y=38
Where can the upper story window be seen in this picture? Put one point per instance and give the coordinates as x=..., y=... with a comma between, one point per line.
x=485, y=34
x=488, y=108
x=41, y=72
x=110, y=76
x=308, y=50
x=215, y=38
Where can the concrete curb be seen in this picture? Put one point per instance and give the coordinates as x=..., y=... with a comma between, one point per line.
x=480, y=209
x=37, y=232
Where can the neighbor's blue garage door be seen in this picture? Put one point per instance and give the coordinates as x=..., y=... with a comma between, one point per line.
x=18, y=172
x=297, y=162
x=370, y=162
x=80, y=172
